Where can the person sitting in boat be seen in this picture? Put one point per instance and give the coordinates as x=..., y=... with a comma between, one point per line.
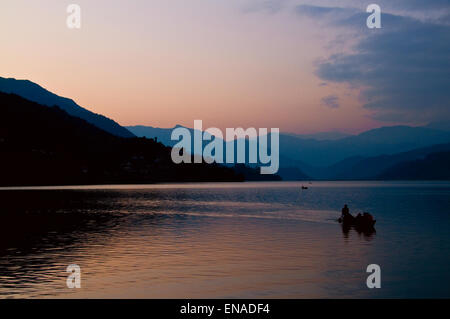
x=345, y=211
x=346, y=217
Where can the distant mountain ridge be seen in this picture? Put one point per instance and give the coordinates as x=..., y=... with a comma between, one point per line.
x=434, y=166
x=373, y=167
x=440, y=125
x=331, y=135
x=324, y=155
x=361, y=156
x=162, y=134
x=384, y=140
x=321, y=153
x=35, y=93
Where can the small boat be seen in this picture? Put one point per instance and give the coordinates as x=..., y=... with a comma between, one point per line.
x=304, y=187
x=364, y=221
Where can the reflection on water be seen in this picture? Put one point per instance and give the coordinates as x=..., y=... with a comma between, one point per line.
x=224, y=240
x=367, y=233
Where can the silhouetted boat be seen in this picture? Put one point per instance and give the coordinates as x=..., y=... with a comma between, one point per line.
x=304, y=187
x=364, y=221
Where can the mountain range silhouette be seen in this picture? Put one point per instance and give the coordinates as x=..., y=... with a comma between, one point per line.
x=35, y=93
x=43, y=145
x=42, y=128
x=343, y=157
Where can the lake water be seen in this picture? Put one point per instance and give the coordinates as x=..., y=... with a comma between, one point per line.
x=244, y=240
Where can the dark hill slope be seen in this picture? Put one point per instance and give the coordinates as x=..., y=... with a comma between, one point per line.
x=42, y=145
x=34, y=92
x=435, y=166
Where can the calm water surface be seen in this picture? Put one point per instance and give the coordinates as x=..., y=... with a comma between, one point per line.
x=249, y=240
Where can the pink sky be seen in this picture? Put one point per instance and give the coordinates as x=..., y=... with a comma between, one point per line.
x=162, y=63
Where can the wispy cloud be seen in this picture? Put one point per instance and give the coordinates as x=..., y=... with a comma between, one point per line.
x=270, y=6
x=421, y=4
x=321, y=12
x=331, y=101
x=402, y=70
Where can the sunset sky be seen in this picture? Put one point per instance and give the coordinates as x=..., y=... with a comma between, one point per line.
x=302, y=66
